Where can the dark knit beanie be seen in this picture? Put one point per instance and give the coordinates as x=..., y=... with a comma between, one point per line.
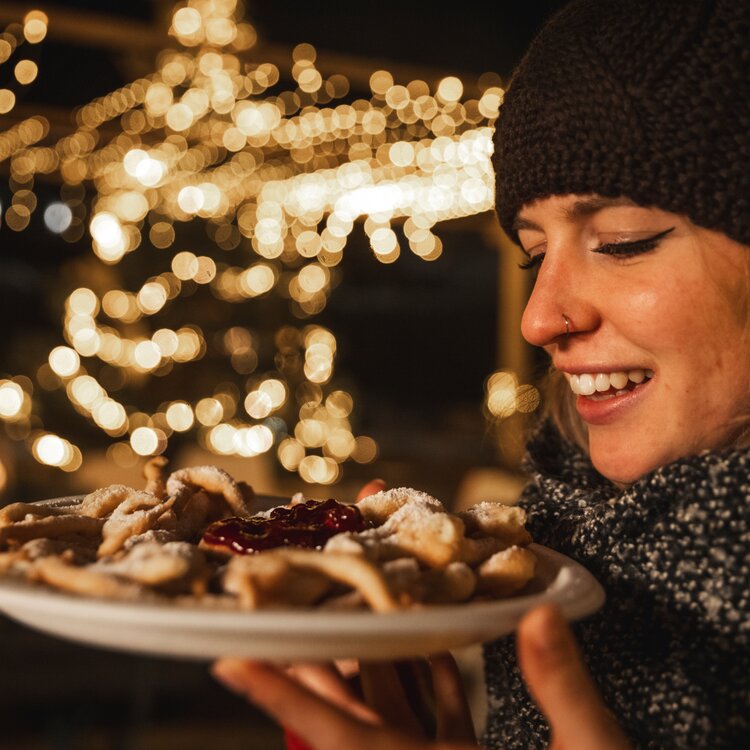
x=647, y=99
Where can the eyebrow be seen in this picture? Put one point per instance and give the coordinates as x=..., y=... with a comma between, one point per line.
x=580, y=209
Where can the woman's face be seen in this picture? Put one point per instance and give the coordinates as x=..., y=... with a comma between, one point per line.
x=657, y=352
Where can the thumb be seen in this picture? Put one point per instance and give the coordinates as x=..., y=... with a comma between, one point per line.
x=561, y=685
x=372, y=487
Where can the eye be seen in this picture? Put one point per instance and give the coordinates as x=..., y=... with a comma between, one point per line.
x=534, y=256
x=534, y=261
x=630, y=248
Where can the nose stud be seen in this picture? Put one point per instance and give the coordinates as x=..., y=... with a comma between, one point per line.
x=567, y=324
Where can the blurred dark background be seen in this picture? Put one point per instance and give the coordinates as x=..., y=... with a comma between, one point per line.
x=441, y=322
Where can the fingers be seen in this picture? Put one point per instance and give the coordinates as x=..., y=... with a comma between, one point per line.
x=383, y=690
x=322, y=725
x=372, y=487
x=328, y=684
x=454, y=722
x=562, y=687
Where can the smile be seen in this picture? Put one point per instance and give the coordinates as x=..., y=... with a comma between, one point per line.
x=600, y=386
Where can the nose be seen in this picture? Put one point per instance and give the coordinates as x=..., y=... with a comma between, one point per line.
x=563, y=290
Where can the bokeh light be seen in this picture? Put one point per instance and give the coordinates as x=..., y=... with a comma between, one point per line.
x=278, y=167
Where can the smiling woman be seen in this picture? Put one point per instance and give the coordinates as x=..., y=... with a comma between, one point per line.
x=621, y=156
x=652, y=376
x=622, y=172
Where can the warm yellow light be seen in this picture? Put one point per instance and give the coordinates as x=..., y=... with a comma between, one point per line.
x=83, y=302
x=132, y=159
x=64, y=361
x=115, y=303
x=290, y=453
x=319, y=470
x=209, y=411
x=189, y=345
x=220, y=31
x=152, y=297
x=281, y=175
x=258, y=405
x=147, y=355
x=11, y=399
x=501, y=394
x=252, y=441
x=35, y=26
x=85, y=391
x=489, y=104
x=206, y=270
x=527, y=398
x=86, y=341
x=187, y=21
x=380, y=82
x=339, y=404
x=158, y=99
x=275, y=389
x=365, y=450
x=401, y=153
x=180, y=117
x=7, y=101
x=257, y=279
x=190, y=199
x=5, y=50
x=26, y=71
x=149, y=171
x=340, y=444
x=110, y=416
x=167, y=341
x=384, y=241
x=109, y=238
x=146, y=441
x=313, y=278
x=180, y=416
x=312, y=433
x=450, y=89
x=51, y=450
x=130, y=205
x=185, y=265
x=221, y=438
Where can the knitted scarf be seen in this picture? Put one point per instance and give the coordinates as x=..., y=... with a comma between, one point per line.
x=670, y=650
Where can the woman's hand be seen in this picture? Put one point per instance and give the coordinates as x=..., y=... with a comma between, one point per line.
x=560, y=684
x=315, y=703
x=318, y=705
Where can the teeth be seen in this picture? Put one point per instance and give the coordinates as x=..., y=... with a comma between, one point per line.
x=601, y=381
x=587, y=384
x=618, y=380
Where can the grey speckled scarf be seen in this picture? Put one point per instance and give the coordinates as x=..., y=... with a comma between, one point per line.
x=670, y=651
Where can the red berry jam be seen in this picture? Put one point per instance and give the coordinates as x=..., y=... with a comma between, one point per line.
x=309, y=524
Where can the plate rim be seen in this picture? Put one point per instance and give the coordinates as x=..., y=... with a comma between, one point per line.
x=572, y=588
x=582, y=588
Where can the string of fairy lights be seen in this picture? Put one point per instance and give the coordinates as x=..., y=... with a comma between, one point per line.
x=284, y=175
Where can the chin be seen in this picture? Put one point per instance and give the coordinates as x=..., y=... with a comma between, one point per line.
x=621, y=467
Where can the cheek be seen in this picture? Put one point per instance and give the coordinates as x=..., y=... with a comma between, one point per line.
x=658, y=318
x=669, y=317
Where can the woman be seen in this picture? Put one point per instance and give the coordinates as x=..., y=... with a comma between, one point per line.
x=623, y=163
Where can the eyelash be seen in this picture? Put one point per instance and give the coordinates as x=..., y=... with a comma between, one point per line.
x=616, y=249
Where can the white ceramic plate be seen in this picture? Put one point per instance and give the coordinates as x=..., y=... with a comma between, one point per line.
x=197, y=633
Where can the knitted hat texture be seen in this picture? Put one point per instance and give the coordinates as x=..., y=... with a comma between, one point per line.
x=647, y=99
